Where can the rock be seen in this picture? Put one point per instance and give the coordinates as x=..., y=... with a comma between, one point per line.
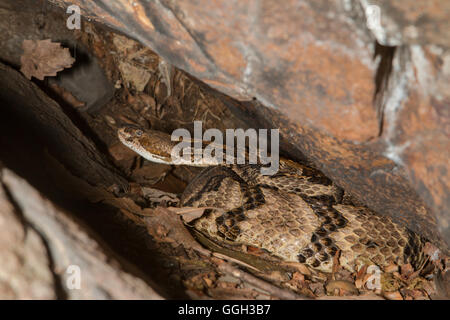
x=45, y=249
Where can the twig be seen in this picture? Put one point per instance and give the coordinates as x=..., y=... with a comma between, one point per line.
x=271, y=289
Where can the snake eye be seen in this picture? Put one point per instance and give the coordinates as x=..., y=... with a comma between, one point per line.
x=139, y=133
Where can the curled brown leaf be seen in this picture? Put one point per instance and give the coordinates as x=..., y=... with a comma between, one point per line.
x=43, y=58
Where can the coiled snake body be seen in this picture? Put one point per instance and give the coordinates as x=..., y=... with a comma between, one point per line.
x=297, y=214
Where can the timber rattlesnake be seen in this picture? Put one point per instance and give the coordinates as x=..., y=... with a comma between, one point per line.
x=296, y=214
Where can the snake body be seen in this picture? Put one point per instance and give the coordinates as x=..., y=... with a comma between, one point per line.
x=297, y=214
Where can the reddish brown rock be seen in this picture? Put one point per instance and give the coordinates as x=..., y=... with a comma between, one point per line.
x=412, y=22
x=44, y=249
x=288, y=57
x=417, y=126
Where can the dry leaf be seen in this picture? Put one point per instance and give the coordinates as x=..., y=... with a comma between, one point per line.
x=367, y=296
x=158, y=197
x=395, y=295
x=343, y=274
x=152, y=173
x=254, y=251
x=43, y=58
x=407, y=272
x=430, y=288
x=277, y=276
x=341, y=285
x=134, y=75
x=336, y=263
x=188, y=213
x=406, y=269
x=317, y=288
x=361, y=277
x=414, y=294
x=359, y=283
x=432, y=251
x=208, y=282
x=200, y=281
x=228, y=293
x=148, y=101
x=191, y=213
x=303, y=269
x=163, y=222
x=135, y=188
x=297, y=276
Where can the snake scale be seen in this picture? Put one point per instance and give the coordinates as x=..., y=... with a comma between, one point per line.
x=297, y=214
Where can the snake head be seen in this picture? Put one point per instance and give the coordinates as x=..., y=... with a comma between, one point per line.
x=129, y=134
x=153, y=145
